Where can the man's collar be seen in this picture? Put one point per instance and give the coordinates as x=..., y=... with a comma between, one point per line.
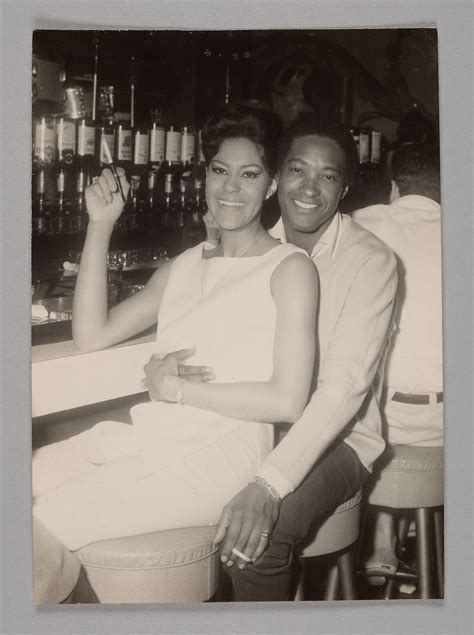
x=417, y=200
x=328, y=241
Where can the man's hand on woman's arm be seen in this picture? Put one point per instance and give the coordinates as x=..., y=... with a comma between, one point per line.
x=159, y=369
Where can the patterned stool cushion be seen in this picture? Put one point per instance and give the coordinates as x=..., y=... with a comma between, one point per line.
x=409, y=477
x=180, y=565
x=339, y=531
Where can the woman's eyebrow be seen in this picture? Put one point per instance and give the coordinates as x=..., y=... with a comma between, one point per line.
x=242, y=167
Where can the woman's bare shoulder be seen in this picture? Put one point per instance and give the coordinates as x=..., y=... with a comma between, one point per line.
x=296, y=271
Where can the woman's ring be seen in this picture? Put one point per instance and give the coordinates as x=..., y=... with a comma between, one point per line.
x=267, y=535
x=241, y=555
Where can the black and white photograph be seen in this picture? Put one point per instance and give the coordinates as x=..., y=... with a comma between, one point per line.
x=236, y=316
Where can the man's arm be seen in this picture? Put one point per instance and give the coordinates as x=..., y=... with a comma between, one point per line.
x=346, y=374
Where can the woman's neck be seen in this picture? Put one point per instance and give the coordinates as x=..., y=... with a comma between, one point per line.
x=238, y=243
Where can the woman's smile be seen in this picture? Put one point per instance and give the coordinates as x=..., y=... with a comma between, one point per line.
x=230, y=203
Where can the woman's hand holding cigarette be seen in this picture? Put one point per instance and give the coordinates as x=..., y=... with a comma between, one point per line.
x=103, y=200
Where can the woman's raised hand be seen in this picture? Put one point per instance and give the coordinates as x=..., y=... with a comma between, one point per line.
x=103, y=201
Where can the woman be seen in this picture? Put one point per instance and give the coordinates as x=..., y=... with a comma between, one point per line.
x=248, y=306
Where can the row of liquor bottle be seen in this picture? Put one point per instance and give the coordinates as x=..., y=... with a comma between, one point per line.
x=175, y=210
x=63, y=141
x=68, y=143
x=369, y=145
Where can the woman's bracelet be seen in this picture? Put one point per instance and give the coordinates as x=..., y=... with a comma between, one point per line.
x=269, y=487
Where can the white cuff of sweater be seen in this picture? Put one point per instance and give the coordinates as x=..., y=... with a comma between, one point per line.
x=280, y=482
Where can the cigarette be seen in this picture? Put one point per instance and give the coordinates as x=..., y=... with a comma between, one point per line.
x=114, y=171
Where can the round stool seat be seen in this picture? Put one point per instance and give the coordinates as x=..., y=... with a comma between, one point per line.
x=339, y=531
x=179, y=565
x=412, y=478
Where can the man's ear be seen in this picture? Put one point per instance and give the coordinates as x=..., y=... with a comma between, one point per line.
x=394, y=191
x=271, y=188
x=344, y=192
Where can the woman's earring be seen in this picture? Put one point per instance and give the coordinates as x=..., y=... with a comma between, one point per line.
x=271, y=190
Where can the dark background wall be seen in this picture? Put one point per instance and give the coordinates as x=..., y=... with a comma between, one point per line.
x=366, y=76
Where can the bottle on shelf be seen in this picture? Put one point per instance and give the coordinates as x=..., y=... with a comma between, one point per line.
x=182, y=208
x=375, y=146
x=104, y=132
x=44, y=142
x=167, y=211
x=129, y=219
x=85, y=147
x=134, y=189
x=123, y=146
x=78, y=208
x=200, y=163
x=44, y=146
x=188, y=143
x=39, y=207
x=157, y=139
x=364, y=145
x=173, y=164
x=140, y=155
x=65, y=143
x=105, y=129
x=196, y=226
x=149, y=207
x=60, y=208
x=65, y=168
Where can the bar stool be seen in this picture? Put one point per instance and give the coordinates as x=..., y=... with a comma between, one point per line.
x=338, y=533
x=179, y=565
x=412, y=479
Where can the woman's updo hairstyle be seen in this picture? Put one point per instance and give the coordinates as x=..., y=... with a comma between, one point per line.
x=250, y=120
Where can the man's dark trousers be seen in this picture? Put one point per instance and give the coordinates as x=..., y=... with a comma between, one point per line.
x=335, y=478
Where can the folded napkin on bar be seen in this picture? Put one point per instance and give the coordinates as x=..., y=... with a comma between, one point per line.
x=70, y=266
x=39, y=313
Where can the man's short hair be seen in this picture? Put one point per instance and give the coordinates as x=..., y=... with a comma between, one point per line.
x=415, y=170
x=311, y=124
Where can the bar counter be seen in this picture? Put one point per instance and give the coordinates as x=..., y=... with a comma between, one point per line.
x=63, y=377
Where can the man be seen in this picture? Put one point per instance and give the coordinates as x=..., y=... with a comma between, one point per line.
x=326, y=456
x=412, y=405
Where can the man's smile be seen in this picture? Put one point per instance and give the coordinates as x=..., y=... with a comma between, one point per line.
x=303, y=205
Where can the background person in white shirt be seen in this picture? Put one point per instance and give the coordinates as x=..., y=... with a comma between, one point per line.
x=412, y=405
x=328, y=453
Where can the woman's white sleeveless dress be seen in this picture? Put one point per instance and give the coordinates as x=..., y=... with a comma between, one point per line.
x=176, y=466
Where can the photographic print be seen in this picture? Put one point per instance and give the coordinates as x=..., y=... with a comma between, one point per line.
x=236, y=316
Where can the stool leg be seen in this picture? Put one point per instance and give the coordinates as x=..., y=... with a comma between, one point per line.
x=422, y=518
x=364, y=513
x=389, y=589
x=439, y=545
x=299, y=596
x=345, y=565
x=403, y=526
x=332, y=585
